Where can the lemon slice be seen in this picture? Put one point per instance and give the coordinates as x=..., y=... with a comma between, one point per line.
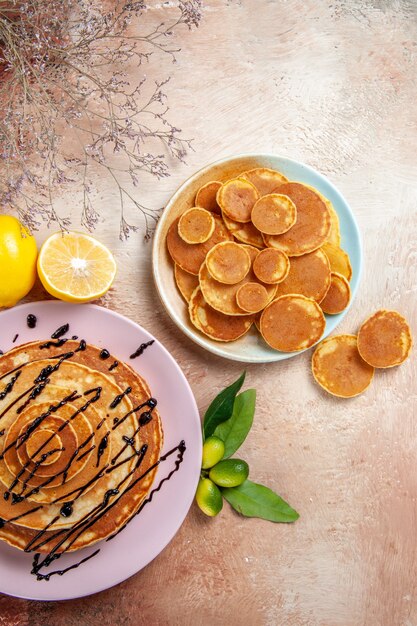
x=75, y=267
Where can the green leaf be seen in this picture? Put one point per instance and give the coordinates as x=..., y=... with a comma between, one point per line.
x=235, y=430
x=253, y=500
x=222, y=406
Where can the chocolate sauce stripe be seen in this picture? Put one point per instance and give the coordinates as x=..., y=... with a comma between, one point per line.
x=88, y=523
x=53, y=408
x=9, y=386
x=62, y=571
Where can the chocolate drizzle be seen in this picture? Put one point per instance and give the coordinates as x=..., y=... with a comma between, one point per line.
x=102, y=446
x=9, y=387
x=60, y=332
x=141, y=349
x=15, y=337
x=120, y=397
x=113, y=365
x=104, y=354
x=56, y=344
x=31, y=320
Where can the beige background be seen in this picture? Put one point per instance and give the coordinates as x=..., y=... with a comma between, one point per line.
x=331, y=83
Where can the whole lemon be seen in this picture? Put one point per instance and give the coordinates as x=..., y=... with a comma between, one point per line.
x=18, y=255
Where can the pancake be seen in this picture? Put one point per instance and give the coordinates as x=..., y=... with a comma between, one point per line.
x=214, y=324
x=186, y=282
x=338, y=367
x=337, y=297
x=236, y=198
x=338, y=259
x=264, y=179
x=228, y=262
x=245, y=233
x=312, y=227
x=252, y=297
x=292, y=323
x=309, y=275
x=384, y=339
x=206, y=196
x=190, y=256
x=271, y=266
x=334, y=233
x=196, y=225
x=274, y=214
x=72, y=455
x=223, y=297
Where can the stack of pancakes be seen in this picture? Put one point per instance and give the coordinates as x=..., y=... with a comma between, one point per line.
x=80, y=440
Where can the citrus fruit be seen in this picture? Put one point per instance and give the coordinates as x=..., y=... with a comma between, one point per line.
x=229, y=473
x=208, y=497
x=75, y=267
x=18, y=254
x=213, y=451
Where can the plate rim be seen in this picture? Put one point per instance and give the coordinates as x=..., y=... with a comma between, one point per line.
x=195, y=411
x=205, y=342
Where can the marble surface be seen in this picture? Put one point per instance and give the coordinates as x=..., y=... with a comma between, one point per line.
x=331, y=83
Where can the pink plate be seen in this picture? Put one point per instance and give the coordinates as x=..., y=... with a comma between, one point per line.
x=148, y=533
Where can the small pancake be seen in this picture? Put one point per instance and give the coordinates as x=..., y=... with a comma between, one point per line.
x=252, y=297
x=338, y=367
x=274, y=214
x=292, y=323
x=186, y=282
x=228, y=262
x=206, y=196
x=309, y=275
x=214, y=324
x=384, y=339
x=312, y=227
x=245, y=233
x=264, y=179
x=223, y=297
x=271, y=266
x=338, y=259
x=337, y=297
x=196, y=225
x=190, y=256
x=236, y=198
x=334, y=234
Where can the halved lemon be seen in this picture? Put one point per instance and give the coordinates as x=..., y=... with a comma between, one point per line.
x=75, y=267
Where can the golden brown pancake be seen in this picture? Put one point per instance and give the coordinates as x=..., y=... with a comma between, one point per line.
x=190, y=256
x=338, y=259
x=274, y=214
x=384, y=339
x=337, y=297
x=236, y=198
x=334, y=233
x=312, y=227
x=196, y=225
x=271, y=266
x=338, y=367
x=252, y=297
x=292, y=323
x=186, y=282
x=309, y=275
x=214, y=324
x=228, y=262
x=206, y=196
x=65, y=415
x=245, y=233
x=264, y=179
